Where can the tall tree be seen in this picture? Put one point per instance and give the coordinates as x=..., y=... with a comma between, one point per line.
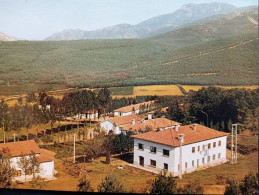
x=6, y=170
x=4, y=117
x=104, y=100
x=24, y=164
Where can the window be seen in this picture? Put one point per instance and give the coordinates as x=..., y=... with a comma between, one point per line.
x=193, y=163
x=18, y=173
x=178, y=167
x=165, y=166
x=198, y=148
x=203, y=147
x=219, y=143
x=213, y=157
x=209, y=146
x=197, y=162
x=165, y=152
x=202, y=160
x=219, y=155
x=186, y=165
x=28, y=171
x=140, y=146
x=193, y=149
x=208, y=159
x=152, y=149
x=214, y=144
x=153, y=163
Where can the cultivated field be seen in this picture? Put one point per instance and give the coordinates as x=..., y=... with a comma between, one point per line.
x=159, y=90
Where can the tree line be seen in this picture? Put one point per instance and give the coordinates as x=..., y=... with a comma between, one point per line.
x=215, y=107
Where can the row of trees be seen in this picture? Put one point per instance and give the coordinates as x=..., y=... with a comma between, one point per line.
x=167, y=185
x=215, y=107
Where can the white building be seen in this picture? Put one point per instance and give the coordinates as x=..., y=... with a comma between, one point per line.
x=116, y=123
x=151, y=125
x=28, y=148
x=134, y=108
x=202, y=147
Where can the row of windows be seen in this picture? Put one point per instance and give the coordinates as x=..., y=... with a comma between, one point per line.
x=153, y=149
x=203, y=161
x=19, y=172
x=204, y=146
x=153, y=163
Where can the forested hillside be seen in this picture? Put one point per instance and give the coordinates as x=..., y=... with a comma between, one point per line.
x=222, y=51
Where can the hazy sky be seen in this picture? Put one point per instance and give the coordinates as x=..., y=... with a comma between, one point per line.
x=38, y=19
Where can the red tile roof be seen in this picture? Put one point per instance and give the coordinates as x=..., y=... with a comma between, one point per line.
x=170, y=136
x=122, y=120
x=133, y=106
x=151, y=123
x=21, y=148
x=44, y=158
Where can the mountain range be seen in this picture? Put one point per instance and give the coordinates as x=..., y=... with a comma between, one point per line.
x=157, y=25
x=4, y=37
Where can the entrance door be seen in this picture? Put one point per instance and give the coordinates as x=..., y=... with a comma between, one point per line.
x=141, y=161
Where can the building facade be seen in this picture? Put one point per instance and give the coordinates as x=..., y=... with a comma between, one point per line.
x=201, y=148
x=27, y=149
x=115, y=124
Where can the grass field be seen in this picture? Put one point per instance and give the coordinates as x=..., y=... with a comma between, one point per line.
x=138, y=181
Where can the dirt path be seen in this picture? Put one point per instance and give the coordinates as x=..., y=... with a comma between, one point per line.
x=209, y=52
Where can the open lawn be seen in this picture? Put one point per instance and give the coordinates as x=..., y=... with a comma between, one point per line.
x=138, y=181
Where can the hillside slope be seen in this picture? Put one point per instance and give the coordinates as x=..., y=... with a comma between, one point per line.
x=222, y=51
x=159, y=24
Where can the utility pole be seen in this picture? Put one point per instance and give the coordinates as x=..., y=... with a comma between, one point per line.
x=180, y=137
x=74, y=160
x=234, y=145
x=14, y=137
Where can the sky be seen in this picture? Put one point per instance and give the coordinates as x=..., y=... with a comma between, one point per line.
x=38, y=19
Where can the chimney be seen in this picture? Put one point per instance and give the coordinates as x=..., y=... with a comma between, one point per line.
x=181, y=138
x=143, y=121
x=194, y=126
x=177, y=127
x=133, y=121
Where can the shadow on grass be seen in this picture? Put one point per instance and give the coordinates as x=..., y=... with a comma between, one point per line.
x=128, y=157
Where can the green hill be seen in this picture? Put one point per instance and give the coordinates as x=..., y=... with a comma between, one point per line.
x=222, y=51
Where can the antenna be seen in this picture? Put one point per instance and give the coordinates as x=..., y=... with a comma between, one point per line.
x=234, y=134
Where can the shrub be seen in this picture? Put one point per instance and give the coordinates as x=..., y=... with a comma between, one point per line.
x=111, y=184
x=164, y=184
x=84, y=185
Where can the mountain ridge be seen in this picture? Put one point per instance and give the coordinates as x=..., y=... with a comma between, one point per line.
x=4, y=37
x=186, y=14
